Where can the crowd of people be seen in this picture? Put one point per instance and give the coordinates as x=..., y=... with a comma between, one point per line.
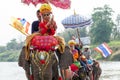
x=80, y=56
x=77, y=55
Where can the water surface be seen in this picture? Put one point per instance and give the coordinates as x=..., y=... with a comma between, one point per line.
x=11, y=71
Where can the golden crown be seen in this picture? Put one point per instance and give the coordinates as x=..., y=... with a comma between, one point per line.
x=45, y=8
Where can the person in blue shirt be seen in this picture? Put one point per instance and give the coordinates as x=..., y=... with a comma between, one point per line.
x=35, y=24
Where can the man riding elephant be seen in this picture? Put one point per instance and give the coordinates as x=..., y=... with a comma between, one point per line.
x=39, y=55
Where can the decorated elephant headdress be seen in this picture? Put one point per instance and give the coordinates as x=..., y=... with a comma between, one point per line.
x=43, y=43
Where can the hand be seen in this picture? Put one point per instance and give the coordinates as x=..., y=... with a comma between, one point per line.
x=51, y=18
x=48, y=24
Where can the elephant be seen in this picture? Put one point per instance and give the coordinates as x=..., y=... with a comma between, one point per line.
x=57, y=62
x=66, y=59
x=85, y=75
x=42, y=65
x=50, y=70
x=64, y=62
x=96, y=70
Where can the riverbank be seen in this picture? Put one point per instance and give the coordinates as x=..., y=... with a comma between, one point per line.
x=12, y=55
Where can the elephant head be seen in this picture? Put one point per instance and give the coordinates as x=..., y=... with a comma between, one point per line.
x=39, y=59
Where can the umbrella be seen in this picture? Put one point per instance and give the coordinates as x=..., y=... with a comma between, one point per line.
x=64, y=4
x=76, y=21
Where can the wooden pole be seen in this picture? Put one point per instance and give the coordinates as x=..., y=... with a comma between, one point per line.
x=80, y=42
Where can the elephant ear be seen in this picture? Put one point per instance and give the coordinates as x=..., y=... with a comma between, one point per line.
x=27, y=44
x=61, y=44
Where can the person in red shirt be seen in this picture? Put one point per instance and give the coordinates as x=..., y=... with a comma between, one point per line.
x=47, y=26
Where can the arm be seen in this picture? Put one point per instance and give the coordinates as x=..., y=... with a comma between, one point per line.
x=51, y=25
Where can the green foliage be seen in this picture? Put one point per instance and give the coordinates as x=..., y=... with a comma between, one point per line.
x=11, y=44
x=116, y=29
x=9, y=55
x=14, y=45
x=12, y=54
x=83, y=32
x=11, y=51
x=68, y=33
x=102, y=27
x=2, y=49
x=114, y=43
x=98, y=56
x=115, y=56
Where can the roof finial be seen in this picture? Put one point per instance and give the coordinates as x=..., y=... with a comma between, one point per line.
x=74, y=12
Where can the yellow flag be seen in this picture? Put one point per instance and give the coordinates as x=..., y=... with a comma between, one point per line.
x=15, y=23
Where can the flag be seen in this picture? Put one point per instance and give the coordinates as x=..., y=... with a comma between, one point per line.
x=25, y=24
x=104, y=49
x=20, y=24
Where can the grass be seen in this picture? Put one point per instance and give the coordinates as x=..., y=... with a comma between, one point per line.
x=111, y=44
x=114, y=43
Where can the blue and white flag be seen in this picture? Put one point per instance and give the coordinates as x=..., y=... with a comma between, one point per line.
x=104, y=50
x=20, y=24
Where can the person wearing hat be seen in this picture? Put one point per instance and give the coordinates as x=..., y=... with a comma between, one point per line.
x=87, y=51
x=87, y=54
x=74, y=67
x=47, y=26
x=74, y=51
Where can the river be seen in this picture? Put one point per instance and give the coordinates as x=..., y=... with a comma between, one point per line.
x=11, y=71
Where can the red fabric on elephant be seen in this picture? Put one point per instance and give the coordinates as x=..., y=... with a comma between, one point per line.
x=44, y=43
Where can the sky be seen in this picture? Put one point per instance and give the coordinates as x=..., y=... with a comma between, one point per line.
x=14, y=8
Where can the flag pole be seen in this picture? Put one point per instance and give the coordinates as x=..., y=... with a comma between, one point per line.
x=15, y=23
x=23, y=32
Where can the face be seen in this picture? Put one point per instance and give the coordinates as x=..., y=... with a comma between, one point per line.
x=86, y=49
x=38, y=15
x=46, y=16
x=72, y=46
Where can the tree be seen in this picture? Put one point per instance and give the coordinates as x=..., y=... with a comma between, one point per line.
x=118, y=19
x=83, y=32
x=116, y=29
x=2, y=49
x=68, y=33
x=12, y=44
x=102, y=24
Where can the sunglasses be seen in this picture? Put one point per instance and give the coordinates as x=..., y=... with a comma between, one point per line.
x=46, y=14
